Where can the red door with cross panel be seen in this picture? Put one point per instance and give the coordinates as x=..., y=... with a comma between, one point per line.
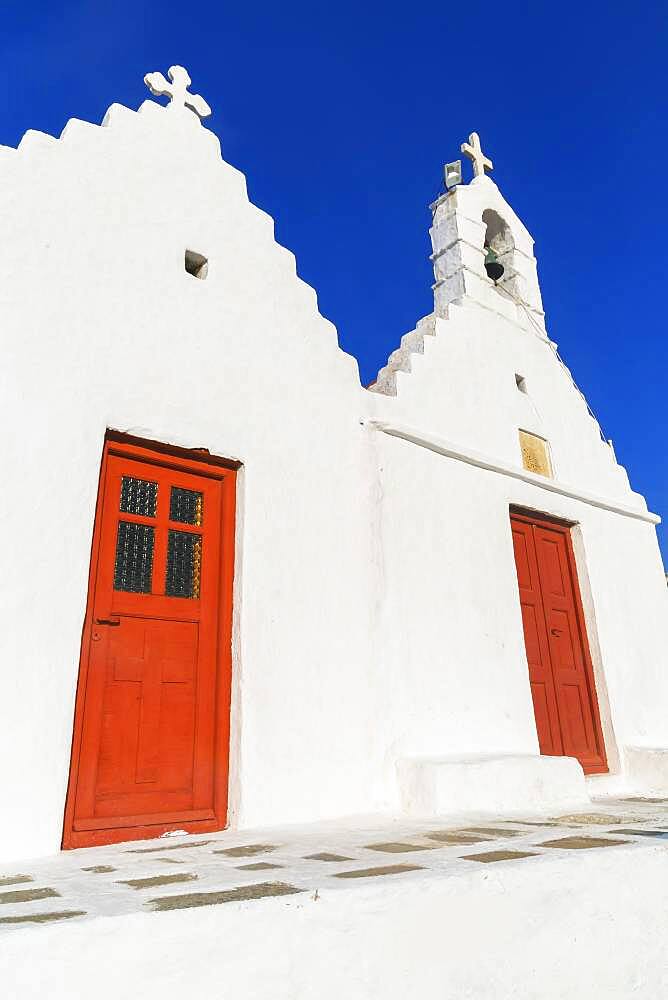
x=151, y=735
x=560, y=668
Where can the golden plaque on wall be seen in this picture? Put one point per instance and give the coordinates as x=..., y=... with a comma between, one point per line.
x=535, y=454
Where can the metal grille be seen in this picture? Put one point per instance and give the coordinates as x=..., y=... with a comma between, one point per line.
x=185, y=506
x=138, y=496
x=184, y=557
x=134, y=557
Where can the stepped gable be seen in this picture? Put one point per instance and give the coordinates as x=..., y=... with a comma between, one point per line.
x=38, y=151
x=400, y=359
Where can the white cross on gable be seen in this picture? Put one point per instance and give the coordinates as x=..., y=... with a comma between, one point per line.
x=177, y=90
x=474, y=152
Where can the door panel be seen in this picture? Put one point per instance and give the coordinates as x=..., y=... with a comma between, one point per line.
x=150, y=746
x=538, y=655
x=576, y=715
x=148, y=712
x=560, y=670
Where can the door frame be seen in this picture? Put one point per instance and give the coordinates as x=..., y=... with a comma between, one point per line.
x=199, y=462
x=565, y=528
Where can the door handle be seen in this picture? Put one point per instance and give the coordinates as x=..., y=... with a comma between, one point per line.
x=108, y=621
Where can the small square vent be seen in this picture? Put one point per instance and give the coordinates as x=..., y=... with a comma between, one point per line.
x=196, y=264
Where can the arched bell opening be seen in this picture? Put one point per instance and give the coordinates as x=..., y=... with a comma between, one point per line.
x=499, y=248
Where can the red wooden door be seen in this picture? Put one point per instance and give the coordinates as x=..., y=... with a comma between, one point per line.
x=560, y=668
x=150, y=749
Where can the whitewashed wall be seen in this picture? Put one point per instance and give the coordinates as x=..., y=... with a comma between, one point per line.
x=376, y=605
x=102, y=327
x=452, y=644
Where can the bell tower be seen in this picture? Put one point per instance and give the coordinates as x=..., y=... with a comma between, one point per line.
x=482, y=253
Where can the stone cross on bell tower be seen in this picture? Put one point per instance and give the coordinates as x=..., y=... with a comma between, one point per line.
x=177, y=90
x=474, y=152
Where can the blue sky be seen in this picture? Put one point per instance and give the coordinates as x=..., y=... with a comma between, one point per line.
x=342, y=115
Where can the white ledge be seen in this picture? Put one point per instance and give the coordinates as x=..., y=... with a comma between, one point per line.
x=480, y=461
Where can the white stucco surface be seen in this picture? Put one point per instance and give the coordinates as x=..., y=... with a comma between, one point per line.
x=539, y=921
x=430, y=785
x=376, y=608
x=452, y=939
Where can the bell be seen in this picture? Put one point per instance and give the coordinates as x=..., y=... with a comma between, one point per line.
x=492, y=265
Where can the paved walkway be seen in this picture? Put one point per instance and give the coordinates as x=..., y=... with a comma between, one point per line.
x=179, y=871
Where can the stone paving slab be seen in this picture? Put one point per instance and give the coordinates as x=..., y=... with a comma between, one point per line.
x=15, y=879
x=491, y=857
x=582, y=843
x=41, y=918
x=241, y=893
x=382, y=870
x=231, y=867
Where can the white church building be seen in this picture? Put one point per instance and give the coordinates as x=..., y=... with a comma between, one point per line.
x=244, y=592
